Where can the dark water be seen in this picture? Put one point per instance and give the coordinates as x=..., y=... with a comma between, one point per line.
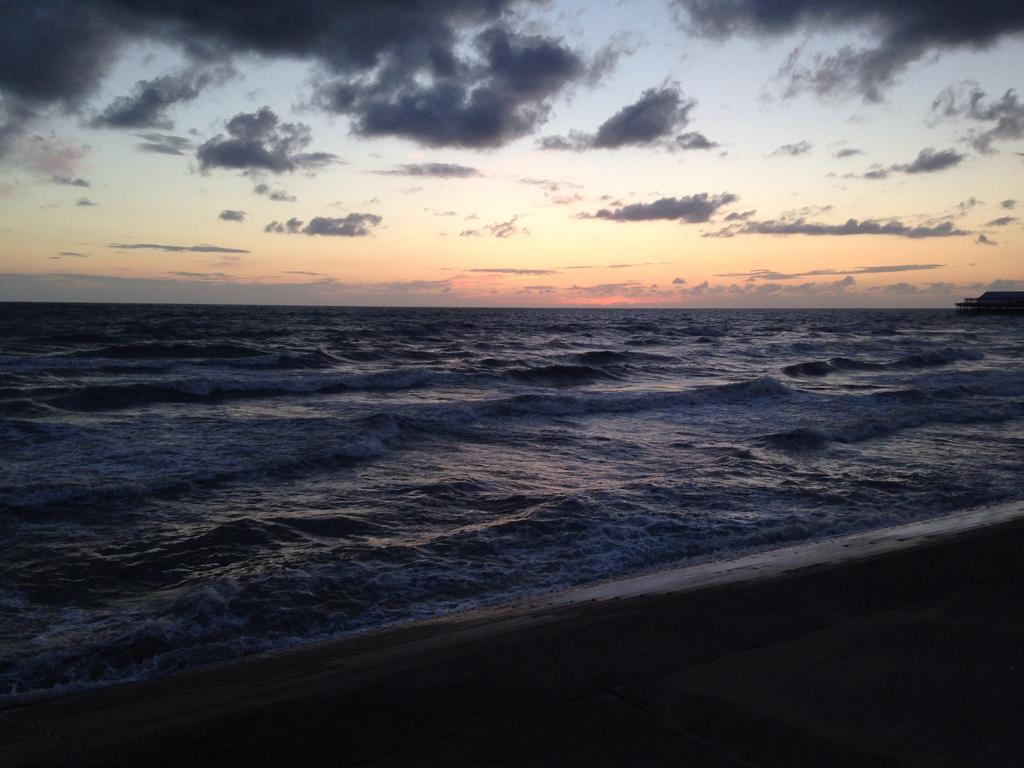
x=181, y=485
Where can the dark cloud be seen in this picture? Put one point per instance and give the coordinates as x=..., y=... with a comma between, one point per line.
x=352, y=225
x=438, y=93
x=1002, y=221
x=658, y=113
x=163, y=144
x=52, y=53
x=291, y=227
x=575, y=141
x=203, y=248
x=85, y=202
x=740, y=215
x=515, y=271
x=928, y=160
x=983, y=240
x=650, y=121
x=500, y=230
x=71, y=254
x=793, y=150
x=801, y=226
x=258, y=141
x=694, y=140
x=693, y=209
x=277, y=195
x=767, y=274
x=1009, y=204
x=448, y=72
x=628, y=288
x=70, y=181
x=902, y=32
x=849, y=152
x=678, y=281
x=434, y=170
x=968, y=101
x=147, y=106
x=229, y=215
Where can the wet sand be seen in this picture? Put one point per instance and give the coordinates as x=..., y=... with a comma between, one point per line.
x=898, y=647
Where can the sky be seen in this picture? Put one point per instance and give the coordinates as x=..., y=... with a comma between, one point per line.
x=664, y=153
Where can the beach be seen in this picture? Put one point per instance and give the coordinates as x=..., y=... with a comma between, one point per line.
x=893, y=647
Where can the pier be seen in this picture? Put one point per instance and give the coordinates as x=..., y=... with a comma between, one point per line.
x=993, y=303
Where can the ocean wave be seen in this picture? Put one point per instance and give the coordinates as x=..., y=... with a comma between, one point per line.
x=361, y=440
x=211, y=390
x=174, y=350
x=559, y=375
x=931, y=359
x=798, y=440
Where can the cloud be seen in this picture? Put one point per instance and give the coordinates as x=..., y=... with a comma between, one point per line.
x=793, y=150
x=1002, y=221
x=443, y=94
x=740, y=215
x=567, y=199
x=258, y=141
x=1008, y=204
x=515, y=271
x=928, y=160
x=70, y=255
x=444, y=73
x=801, y=226
x=49, y=156
x=85, y=202
x=70, y=181
x=214, y=276
x=848, y=152
x=968, y=101
x=277, y=195
x=694, y=140
x=650, y=121
x=658, y=113
x=768, y=274
x=352, y=225
x=901, y=33
x=147, y=106
x=550, y=186
x=693, y=209
x=202, y=248
x=966, y=205
x=434, y=170
x=630, y=288
x=229, y=215
x=501, y=230
x=163, y=144
x=983, y=240
x=678, y=281
x=291, y=227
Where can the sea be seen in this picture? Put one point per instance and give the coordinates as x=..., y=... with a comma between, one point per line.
x=184, y=485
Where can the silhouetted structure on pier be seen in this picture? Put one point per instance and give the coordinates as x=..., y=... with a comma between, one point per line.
x=993, y=303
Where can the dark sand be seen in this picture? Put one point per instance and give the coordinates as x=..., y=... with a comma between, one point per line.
x=908, y=651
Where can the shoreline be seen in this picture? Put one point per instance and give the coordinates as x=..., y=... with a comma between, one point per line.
x=401, y=668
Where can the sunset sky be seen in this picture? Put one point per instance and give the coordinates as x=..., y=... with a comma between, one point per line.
x=680, y=153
